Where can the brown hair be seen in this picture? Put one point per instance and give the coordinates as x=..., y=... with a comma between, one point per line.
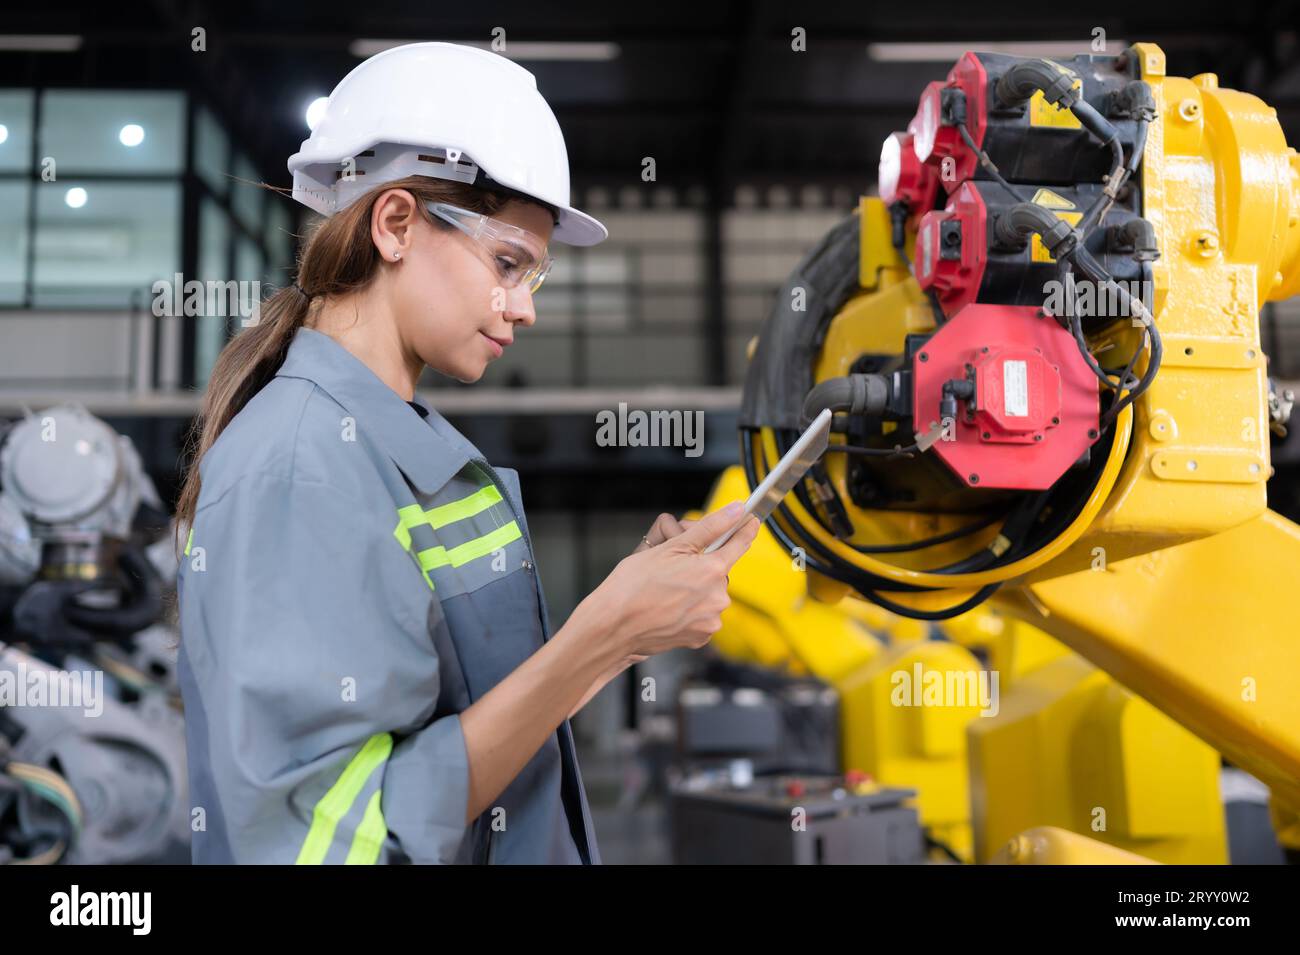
x=337, y=258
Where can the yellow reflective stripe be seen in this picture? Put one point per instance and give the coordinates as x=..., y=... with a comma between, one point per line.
x=462, y=554
x=481, y=546
x=189, y=540
x=407, y=517
x=334, y=805
x=370, y=836
x=412, y=515
x=479, y=501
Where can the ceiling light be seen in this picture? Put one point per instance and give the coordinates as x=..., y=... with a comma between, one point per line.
x=949, y=52
x=514, y=49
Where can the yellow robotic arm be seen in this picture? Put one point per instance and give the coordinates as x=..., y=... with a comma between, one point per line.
x=1098, y=470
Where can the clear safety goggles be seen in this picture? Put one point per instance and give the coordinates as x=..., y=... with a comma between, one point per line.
x=520, y=256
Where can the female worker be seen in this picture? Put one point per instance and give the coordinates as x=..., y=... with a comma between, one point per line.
x=367, y=666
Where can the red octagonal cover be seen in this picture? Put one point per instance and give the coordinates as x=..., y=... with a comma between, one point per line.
x=1035, y=410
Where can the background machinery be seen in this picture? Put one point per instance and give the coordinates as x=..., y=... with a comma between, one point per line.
x=96, y=775
x=1042, y=346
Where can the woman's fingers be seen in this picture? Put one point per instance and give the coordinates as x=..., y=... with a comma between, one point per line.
x=665, y=527
x=711, y=526
x=735, y=548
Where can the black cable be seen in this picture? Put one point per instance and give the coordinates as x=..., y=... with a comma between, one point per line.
x=925, y=542
x=1151, y=337
x=864, y=582
x=1016, y=524
x=943, y=847
x=897, y=451
x=970, y=603
x=983, y=158
x=868, y=584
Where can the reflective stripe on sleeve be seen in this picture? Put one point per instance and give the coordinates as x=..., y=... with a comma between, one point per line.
x=369, y=840
x=334, y=805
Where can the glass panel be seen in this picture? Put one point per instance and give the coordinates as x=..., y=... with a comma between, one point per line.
x=246, y=194
x=249, y=269
x=280, y=241
x=13, y=241
x=211, y=151
x=102, y=243
x=214, y=246
x=15, y=130
x=98, y=131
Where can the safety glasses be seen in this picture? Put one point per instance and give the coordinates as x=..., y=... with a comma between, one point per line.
x=520, y=256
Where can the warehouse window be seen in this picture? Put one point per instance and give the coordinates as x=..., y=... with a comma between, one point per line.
x=14, y=196
x=113, y=133
x=211, y=152
x=15, y=130
x=102, y=242
x=93, y=189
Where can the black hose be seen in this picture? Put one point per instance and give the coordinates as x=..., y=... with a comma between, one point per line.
x=947, y=613
x=1013, y=228
x=141, y=605
x=862, y=394
x=1018, y=85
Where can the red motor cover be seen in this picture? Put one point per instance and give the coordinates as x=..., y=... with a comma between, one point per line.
x=954, y=273
x=935, y=142
x=1036, y=407
x=903, y=177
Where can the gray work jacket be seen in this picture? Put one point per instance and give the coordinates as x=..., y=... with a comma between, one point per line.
x=356, y=575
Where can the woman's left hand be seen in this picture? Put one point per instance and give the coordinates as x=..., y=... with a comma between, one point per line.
x=664, y=528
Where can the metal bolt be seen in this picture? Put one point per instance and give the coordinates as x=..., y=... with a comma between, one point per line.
x=1092, y=433
x=924, y=357
x=974, y=479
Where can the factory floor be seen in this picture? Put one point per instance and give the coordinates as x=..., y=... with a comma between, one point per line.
x=630, y=829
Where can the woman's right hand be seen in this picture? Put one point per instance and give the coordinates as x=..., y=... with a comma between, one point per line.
x=671, y=595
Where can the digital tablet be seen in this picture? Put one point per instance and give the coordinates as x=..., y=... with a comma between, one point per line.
x=802, y=455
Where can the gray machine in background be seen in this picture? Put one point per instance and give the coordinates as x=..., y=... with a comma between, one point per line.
x=86, y=560
x=799, y=820
x=759, y=780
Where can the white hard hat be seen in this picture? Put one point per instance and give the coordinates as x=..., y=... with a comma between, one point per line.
x=445, y=111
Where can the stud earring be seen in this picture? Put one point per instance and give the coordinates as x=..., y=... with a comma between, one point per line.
x=396, y=256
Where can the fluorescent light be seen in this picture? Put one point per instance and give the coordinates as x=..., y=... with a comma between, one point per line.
x=4, y=132
x=75, y=197
x=950, y=52
x=42, y=43
x=131, y=134
x=315, y=110
x=515, y=49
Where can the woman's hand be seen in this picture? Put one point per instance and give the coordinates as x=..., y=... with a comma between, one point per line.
x=670, y=595
x=665, y=527
x=665, y=595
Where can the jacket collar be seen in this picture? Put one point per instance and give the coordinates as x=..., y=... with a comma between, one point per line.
x=429, y=450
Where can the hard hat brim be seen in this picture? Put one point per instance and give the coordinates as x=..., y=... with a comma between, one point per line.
x=577, y=228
